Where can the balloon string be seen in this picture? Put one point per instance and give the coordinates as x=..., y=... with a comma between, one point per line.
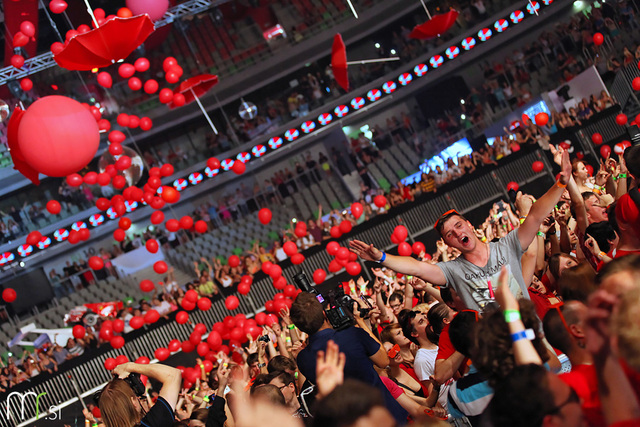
x=203, y=111
x=353, y=10
x=368, y=61
x=93, y=17
x=425, y=8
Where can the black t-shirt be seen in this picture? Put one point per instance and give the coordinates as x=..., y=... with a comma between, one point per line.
x=160, y=415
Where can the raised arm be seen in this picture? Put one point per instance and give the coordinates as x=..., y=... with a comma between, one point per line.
x=401, y=264
x=169, y=377
x=543, y=206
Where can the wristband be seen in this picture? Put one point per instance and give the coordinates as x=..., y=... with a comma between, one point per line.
x=261, y=365
x=522, y=218
x=292, y=326
x=540, y=233
x=511, y=316
x=561, y=185
x=527, y=334
x=287, y=339
x=381, y=260
x=201, y=366
x=601, y=255
x=206, y=399
x=484, y=239
x=197, y=389
x=622, y=175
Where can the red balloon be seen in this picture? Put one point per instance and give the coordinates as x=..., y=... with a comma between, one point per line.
x=121, y=359
x=84, y=234
x=118, y=325
x=167, y=170
x=96, y=263
x=354, y=268
x=401, y=232
x=134, y=121
x=301, y=229
x=27, y=28
x=117, y=342
x=173, y=225
x=635, y=83
x=124, y=223
x=279, y=283
x=150, y=86
x=605, y=151
x=264, y=215
x=513, y=186
x=598, y=39
x=232, y=302
x=417, y=248
x=151, y=316
x=160, y=267
x=201, y=226
x=53, y=207
x=187, y=347
x=17, y=61
x=104, y=79
x=356, y=209
x=157, y=217
x=179, y=100
x=275, y=271
x=74, y=237
x=297, y=259
x=244, y=288
x=20, y=39
x=56, y=47
x=191, y=295
x=26, y=84
x=234, y=261
x=204, y=304
x=266, y=267
x=90, y=178
x=83, y=28
x=147, y=285
x=146, y=123
x=334, y=266
x=335, y=232
x=596, y=138
x=141, y=65
x=170, y=194
x=152, y=245
x=202, y=349
x=404, y=249
x=117, y=137
x=186, y=222
x=174, y=345
x=143, y=360
x=162, y=354
x=319, y=275
x=542, y=119
x=126, y=70
x=290, y=248
x=537, y=166
x=34, y=238
x=172, y=77
x=214, y=340
x=72, y=136
x=343, y=253
x=104, y=179
x=166, y=96
x=332, y=248
x=169, y=62
x=345, y=227
x=136, y=322
x=104, y=125
x=79, y=332
x=182, y=317
x=621, y=119
x=213, y=164
x=380, y=201
x=195, y=338
x=239, y=167
x=110, y=363
x=74, y=180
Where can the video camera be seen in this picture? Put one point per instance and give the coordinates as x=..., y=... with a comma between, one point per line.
x=337, y=305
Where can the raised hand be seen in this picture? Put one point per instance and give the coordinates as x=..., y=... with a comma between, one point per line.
x=329, y=368
x=365, y=251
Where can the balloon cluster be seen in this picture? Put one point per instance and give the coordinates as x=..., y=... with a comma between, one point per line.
x=20, y=39
x=343, y=258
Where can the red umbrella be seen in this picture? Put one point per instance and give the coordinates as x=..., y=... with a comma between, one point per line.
x=107, y=44
x=14, y=148
x=339, y=62
x=193, y=88
x=435, y=26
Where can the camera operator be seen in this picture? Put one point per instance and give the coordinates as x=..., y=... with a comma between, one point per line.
x=120, y=403
x=359, y=346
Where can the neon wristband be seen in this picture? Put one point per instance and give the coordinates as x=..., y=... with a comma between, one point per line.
x=540, y=233
x=527, y=334
x=522, y=218
x=511, y=316
x=602, y=254
x=622, y=175
x=292, y=326
x=384, y=256
x=561, y=185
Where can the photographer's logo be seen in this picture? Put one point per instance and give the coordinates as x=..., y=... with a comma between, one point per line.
x=23, y=398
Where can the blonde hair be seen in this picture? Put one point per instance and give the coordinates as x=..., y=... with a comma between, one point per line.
x=116, y=406
x=422, y=308
x=625, y=323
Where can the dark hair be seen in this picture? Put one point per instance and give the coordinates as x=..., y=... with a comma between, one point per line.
x=577, y=283
x=630, y=263
x=447, y=297
x=404, y=318
x=200, y=415
x=346, y=403
x=462, y=330
x=493, y=348
x=269, y=393
x=602, y=232
x=397, y=295
x=307, y=313
x=281, y=363
x=436, y=316
x=252, y=358
x=386, y=335
x=523, y=399
x=632, y=159
x=285, y=377
x=260, y=379
x=554, y=263
x=444, y=218
x=555, y=331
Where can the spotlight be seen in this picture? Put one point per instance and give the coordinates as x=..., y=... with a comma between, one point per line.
x=393, y=51
x=377, y=45
x=21, y=264
x=462, y=116
x=462, y=101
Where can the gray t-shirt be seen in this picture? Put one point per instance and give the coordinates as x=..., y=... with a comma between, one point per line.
x=471, y=281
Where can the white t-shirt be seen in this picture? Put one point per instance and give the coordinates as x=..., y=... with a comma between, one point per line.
x=280, y=254
x=424, y=366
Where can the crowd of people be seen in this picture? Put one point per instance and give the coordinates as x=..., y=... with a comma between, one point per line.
x=528, y=319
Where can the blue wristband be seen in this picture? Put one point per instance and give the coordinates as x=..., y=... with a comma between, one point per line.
x=384, y=256
x=526, y=334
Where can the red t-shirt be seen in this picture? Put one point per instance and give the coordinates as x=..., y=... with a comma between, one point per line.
x=446, y=349
x=584, y=381
x=409, y=370
x=621, y=253
x=395, y=390
x=542, y=302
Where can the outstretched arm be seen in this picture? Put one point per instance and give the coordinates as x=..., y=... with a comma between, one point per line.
x=401, y=264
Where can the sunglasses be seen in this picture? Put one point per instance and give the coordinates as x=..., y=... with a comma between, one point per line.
x=393, y=351
x=445, y=215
